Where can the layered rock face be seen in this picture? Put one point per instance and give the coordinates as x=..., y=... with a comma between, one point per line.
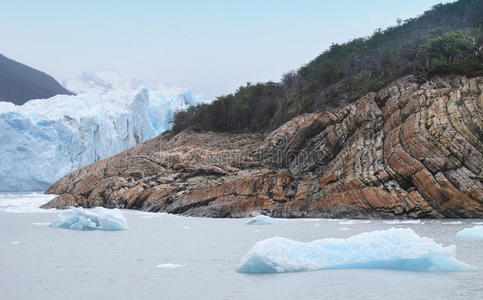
x=410, y=150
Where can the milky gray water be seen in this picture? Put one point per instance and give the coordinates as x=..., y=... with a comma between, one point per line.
x=172, y=257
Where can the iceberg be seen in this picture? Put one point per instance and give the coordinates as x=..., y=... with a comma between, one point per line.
x=472, y=233
x=170, y=266
x=97, y=218
x=42, y=140
x=394, y=249
x=261, y=220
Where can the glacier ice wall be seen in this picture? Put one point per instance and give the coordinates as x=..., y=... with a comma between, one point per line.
x=45, y=139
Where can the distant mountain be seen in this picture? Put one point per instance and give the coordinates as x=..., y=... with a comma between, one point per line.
x=20, y=83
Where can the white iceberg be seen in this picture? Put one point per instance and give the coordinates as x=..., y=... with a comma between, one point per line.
x=45, y=139
x=97, y=218
x=170, y=266
x=472, y=233
x=353, y=222
x=452, y=223
x=261, y=220
x=395, y=249
x=398, y=222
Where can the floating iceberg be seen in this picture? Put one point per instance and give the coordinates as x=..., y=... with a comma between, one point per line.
x=261, y=220
x=401, y=222
x=45, y=139
x=473, y=233
x=353, y=222
x=170, y=266
x=97, y=218
x=395, y=249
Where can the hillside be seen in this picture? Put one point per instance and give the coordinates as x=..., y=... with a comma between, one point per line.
x=385, y=126
x=447, y=39
x=411, y=150
x=20, y=83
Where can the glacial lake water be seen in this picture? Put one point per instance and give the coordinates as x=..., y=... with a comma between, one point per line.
x=164, y=256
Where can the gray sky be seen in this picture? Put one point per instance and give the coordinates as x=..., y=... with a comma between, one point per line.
x=210, y=46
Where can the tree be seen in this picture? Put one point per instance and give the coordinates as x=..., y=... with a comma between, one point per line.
x=476, y=41
x=447, y=45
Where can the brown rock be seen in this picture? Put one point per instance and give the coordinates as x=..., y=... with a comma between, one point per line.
x=410, y=151
x=65, y=201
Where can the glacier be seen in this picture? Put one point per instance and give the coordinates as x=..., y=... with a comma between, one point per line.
x=261, y=220
x=45, y=139
x=97, y=218
x=472, y=233
x=24, y=202
x=394, y=249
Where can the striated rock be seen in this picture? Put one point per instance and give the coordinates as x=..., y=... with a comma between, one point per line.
x=409, y=151
x=65, y=200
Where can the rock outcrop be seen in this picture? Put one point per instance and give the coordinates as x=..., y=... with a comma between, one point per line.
x=410, y=150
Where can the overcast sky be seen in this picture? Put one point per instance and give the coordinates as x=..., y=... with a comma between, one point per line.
x=210, y=46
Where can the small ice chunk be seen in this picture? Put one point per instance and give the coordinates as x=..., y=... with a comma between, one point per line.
x=395, y=249
x=472, y=233
x=452, y=223
x=40, y=224
x=15, y=243
x=97, y=218
x=397, y=222
x=261, y=220
x=170, y=266
x=353, y=222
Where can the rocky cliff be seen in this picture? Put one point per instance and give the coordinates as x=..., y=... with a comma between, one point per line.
x=410, y=150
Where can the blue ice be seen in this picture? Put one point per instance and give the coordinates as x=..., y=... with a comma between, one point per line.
x=394, y=249
x=97, y=218
x=261, y=220
x=472, y=233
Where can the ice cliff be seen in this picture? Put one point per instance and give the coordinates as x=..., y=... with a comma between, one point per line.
x=43, y=140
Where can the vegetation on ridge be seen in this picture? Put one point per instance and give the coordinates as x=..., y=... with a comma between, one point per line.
x=447, y=39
